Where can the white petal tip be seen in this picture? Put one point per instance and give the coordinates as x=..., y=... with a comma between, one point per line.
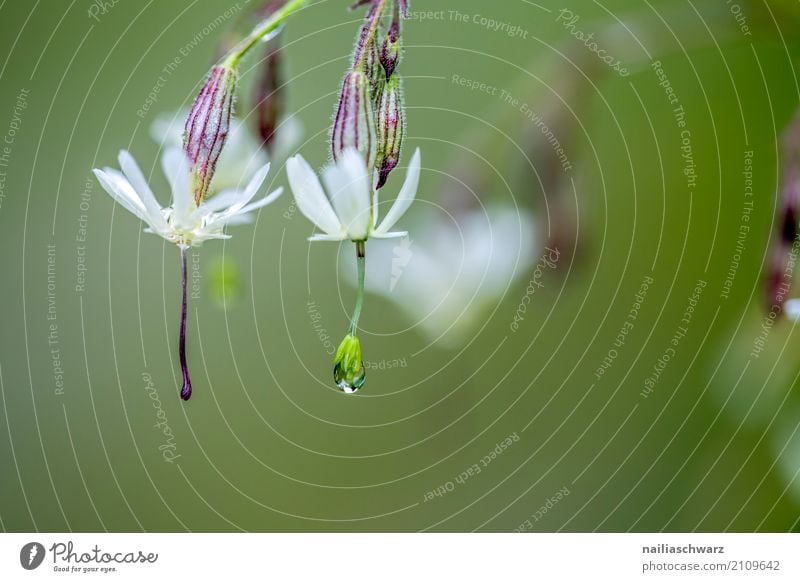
x=389, y=234
x=326, y=238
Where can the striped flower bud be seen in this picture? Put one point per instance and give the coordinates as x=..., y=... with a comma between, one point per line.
x=374, y=70
x=354, y=126
x=366, y=35
x=390, y=51
x=391, y=129
x=207, y=126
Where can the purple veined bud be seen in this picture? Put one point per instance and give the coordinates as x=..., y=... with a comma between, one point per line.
x=269, y=94
x=354, y=126
x=207, y=126
x=390, y=51
x=403, y=7
x=391, y=129
x=374, y=71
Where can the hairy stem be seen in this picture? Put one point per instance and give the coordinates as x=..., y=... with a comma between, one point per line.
x=269, y=25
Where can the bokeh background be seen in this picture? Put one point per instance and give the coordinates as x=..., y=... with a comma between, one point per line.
x=487, y=405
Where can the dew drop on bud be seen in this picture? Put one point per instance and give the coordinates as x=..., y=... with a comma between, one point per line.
x=348, y=368
x=349, y=383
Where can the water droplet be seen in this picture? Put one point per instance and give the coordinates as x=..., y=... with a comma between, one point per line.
x=349, y=385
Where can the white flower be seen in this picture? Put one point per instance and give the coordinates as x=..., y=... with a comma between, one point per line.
x=454, y=272
x=183, y=223
x=349, y=210
x=792, y=309
x=242, y=155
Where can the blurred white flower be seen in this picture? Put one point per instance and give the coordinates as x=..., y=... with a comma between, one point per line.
x=349, y=210
x=784, y=443
x=182, y=223
x=792, y=309
x=449, y=277
x=242, y=155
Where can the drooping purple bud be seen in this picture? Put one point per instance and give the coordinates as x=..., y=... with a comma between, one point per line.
x=783, y=247
x=391, y=129
x=403, y=7
x=207, y=126
x=778, y=280
x=354, y=126
x=269, y=94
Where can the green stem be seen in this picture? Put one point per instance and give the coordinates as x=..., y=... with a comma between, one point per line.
x=361, y=263
x=262, y=30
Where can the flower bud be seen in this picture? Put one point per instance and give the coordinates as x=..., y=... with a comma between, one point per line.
x=784, y=241
x=374, y=70
x=367, y=33
x=354, y=126
x=390, y=51
x=207, y=126
x=391, y=129
x=348, y=370
x=269, y=94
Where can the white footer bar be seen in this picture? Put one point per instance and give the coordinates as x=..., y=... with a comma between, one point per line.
x=355, y=557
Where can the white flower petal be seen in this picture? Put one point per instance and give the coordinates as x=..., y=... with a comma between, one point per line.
x=176, y=169
x=230, y=216
x=375, y=207
x=120, y=190
x=255, y=183
x=136, y=179
x=347, y=182
x=203, y=235
x=268, y=199
x=231, y=202
x=404, y=199
x=327, y=238
x=219, y=202
x=389, y=234
x=310, y=197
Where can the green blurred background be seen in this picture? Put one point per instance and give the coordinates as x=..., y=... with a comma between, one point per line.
x=267, y=443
